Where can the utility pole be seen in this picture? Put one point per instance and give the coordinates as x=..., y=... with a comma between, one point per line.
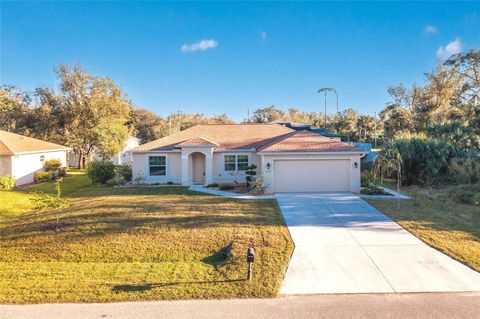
x=375, y=128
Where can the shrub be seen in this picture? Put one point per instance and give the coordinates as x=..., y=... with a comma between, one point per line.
x=101, y=171
x=40, y=177
x=372, y=189
x=7, y=182
x=258, y=186
x=423, y=160
x=226, y=187
x=111, y=182
x=250, y=175
x=170, y=183
x=139, y=178
x=465, y=171
x=62, y=172
x=53, y=164
x=125, y=171
x=465, y=194
x=213, y=185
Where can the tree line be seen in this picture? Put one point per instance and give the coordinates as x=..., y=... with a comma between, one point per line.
x=91, y=113
x=446, y=107
x=87, y=113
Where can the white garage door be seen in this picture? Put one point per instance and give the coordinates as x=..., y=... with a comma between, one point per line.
x=311, y=175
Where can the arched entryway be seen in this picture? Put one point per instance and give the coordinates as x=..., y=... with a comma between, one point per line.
x=197, y=172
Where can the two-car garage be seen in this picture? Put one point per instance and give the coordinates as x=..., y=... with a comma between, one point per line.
x=298, y=173
x=311, y=175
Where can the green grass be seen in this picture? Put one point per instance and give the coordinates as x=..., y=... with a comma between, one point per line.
x=450, y=227
x=138, y=244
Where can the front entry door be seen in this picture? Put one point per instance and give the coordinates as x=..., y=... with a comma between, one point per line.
x=198, y=168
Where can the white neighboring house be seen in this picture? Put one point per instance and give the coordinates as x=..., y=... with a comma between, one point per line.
x=125, y=156
x=21, y=156
x=122, y=158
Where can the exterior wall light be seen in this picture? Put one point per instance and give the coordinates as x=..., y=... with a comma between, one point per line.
x=268, y=166
x=355, y=164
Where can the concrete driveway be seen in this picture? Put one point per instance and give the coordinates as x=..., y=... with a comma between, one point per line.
x=344, y=245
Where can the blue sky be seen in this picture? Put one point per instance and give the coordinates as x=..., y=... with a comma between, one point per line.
x=218, y=58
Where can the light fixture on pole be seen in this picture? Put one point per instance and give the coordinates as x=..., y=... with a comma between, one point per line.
x=326, y=90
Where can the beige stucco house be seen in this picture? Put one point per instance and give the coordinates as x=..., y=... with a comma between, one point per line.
x=289, y=160
x=22, y=156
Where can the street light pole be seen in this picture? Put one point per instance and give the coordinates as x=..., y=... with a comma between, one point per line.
x=326, y=90
x=336, y=93
x=325, y=117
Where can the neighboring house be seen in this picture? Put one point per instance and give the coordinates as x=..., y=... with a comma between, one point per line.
x=310, y=128
x=289, y=160
x=21, y=156
x=367, y=147
x=125, y=156
x=122, y=158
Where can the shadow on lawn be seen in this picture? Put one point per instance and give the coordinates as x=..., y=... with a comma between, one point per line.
x=146, y=287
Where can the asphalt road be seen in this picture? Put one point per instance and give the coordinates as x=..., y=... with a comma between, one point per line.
x=423, y=305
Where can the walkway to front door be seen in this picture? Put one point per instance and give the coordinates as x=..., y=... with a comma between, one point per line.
x=344, y=245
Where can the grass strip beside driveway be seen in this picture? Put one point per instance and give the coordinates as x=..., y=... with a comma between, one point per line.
x=447, y=226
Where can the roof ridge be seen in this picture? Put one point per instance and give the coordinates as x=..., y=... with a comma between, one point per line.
x=278, y=139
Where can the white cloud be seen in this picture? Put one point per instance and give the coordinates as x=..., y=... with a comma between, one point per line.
x=263, y=35
x=430, y=29
x=450, y=49
x=201, y=45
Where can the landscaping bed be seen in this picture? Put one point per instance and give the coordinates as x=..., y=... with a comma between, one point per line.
x=126, y=244
x=238, y=188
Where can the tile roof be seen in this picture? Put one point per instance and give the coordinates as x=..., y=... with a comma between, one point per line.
x=228, y=136
x=11, y=143
x=197, y=141
x=304, y=141
x=261, y=137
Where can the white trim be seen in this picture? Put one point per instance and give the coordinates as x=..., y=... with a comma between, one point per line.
x=314, y=153
x=236, y=171
x=195, y=146
x=33, y=152
x=166, y=176
x=224, y=150
x=160, y=152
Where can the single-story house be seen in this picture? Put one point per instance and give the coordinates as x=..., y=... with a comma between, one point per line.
x=122, y=158
x=289, y=160
x=21, y=156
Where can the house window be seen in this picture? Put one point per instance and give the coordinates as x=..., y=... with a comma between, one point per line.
x=157, y=165
x=236, y=163
x=242, y=162
x=42, y=158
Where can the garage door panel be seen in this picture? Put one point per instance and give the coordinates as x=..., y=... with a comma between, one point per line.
x=311, y=175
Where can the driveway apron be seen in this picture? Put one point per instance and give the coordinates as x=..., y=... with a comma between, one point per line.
x=345, y=245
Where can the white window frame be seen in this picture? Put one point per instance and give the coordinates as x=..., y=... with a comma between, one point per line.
x=166, y=165
x=236, y=171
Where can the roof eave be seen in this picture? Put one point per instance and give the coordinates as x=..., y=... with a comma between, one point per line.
x=39, y=151
x=314, y=153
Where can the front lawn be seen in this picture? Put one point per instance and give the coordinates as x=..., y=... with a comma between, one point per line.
x=138, y=244
x=450, y=227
